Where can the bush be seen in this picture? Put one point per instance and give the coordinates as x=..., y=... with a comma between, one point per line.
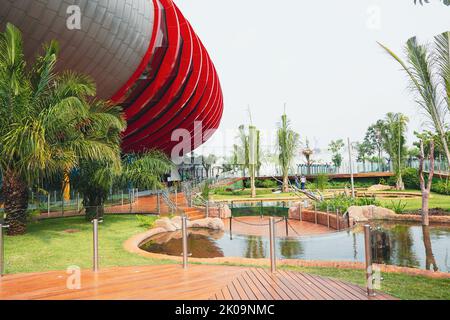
x=410, y=178
x=343, y=202
x=262, y=183
x=441, y=187
x=146, y=221
x=322, y=181
x=397, y=206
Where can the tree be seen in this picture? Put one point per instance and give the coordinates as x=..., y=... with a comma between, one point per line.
x=288, y=142
x=425, y=186
x=42, y=117
x=336, y=147
x=208, y=162
x=308, y=153
x=429, y=71
x=395, y=125
x=364, y=150
x=374, y=138
x=248, y=154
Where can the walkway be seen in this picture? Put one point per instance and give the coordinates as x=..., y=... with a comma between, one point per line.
x=171, y=282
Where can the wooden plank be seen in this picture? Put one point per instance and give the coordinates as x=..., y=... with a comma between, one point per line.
x=280, y=284
x=269, y=283
x=258, y=294
x=265, y=291
x=250, y=294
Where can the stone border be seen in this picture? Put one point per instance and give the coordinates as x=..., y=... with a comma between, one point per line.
x=132, y=245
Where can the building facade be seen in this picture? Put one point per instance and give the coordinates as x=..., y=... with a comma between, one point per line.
x=143, y=55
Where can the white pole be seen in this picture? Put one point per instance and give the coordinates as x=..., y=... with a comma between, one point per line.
x=351, y=167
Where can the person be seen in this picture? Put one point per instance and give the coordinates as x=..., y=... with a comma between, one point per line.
x=303, y=182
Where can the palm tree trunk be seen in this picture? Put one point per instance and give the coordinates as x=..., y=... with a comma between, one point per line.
x=15, y=192
x=446, y=149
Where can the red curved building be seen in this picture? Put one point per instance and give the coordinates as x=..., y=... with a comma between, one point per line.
x=143, y=54
x=175, y=85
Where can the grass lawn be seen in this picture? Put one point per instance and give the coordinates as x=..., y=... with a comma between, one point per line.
x=436, y=201
x=402, y=286
x=48, y=246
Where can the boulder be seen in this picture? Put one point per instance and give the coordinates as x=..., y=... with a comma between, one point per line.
x=209, y=223
x=366, y=213
x=176, y=221
x=379, y=187
x=166, y=224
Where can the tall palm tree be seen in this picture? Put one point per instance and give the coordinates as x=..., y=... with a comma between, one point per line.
x=44, y=130
x=288, y=142
x=421, y=66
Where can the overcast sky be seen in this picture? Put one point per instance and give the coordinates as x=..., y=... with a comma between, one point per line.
x=319, y=57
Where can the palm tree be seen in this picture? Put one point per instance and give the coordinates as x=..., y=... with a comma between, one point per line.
x=395, y=125
x=288, y=142
x=421, y=68
x=95, y=178
x=41, y=123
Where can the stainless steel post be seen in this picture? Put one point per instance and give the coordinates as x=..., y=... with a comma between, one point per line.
x=273, y=266
x=185, y=240
x=231, y=227
x=121, y=197
x=78, y=202
x=315, y=212
x=338, y=226
x=95, y=238
x=287, y=226
x=48, y=204
x=158, y=202
x=2, y=250
x=368, y=254
x=328, y=217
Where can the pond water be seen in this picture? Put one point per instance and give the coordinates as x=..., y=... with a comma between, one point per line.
x=392, y=243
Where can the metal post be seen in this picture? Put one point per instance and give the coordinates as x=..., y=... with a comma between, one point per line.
x=2, y=250
x=185, y=240
x=130, y=193
x=78, y=202
x=368, y=254
x=54, y=193
x=231, y=227
x=273, y=267
x=287, y=226
x=121, y=197
x=300, y=213
x=338, y=227
x=137, y=194
x=261, y=213
x=351, y=167
x=158, y=202
x=62, y=203
x=328, y=217
x=315, y=212
x=48, y=204
x=95, y=235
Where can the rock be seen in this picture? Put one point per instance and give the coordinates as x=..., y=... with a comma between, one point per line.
x=209, y=223
x=166, y=224
x=366, y=213
x=176, y=221
x=222, y=213
x=379, y=187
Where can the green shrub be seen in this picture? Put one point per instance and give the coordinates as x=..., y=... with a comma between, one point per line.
x=343, y=202
x=397, y=206
x=410, y=178
x=441, y=187
x=269, y=184
x=146, y=221
x=322, y=181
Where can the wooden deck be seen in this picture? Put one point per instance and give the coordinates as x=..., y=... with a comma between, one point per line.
x=171, y=282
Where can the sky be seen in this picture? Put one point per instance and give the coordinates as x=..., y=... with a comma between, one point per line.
x=321, y=58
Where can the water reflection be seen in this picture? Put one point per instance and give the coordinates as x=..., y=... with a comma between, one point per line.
x=429, y=260
x=397, y=244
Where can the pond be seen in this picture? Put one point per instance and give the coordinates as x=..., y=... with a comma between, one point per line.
x=403, y=244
